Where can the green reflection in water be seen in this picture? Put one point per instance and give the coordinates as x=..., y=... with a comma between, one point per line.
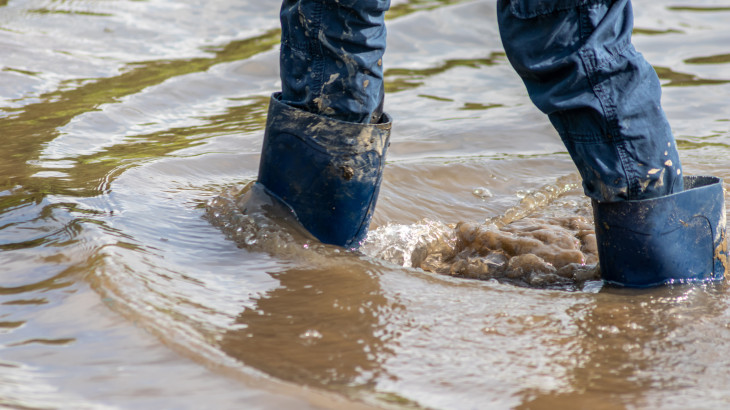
x=717, y=59
x=677, y=79
x=31, y=225
x=25, y=184
x=38, y=301
x=60, y=280
x=400, y=10
x=688, y=145
x=477, y=106
x=111, y=161
x=436, y=98
x=24, y=72
x=26, y=213
x=11, y=324
x=651, y=32
x=400, y=79
x=59, y=342
x=468, y=106
x=698, y=9
x=28, y=129
x=78, y=13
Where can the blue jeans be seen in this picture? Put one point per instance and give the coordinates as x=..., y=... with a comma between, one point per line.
x=574, y=56
x=332, y=57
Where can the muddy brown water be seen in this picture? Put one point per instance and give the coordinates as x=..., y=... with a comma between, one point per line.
x=128, y=278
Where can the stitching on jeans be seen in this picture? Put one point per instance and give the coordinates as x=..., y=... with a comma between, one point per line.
x=318, y=62
x=548, y=7
x=630, y=171
x=592, y=65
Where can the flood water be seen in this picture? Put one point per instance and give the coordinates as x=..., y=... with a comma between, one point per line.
x=129, y=279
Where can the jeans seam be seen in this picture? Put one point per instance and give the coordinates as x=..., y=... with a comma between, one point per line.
x=542, y=10
x=318, y=61
x=613, y=134
x=630, y=171
x=587, y=56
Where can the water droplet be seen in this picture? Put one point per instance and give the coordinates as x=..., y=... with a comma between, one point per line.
x=482, y=193
x=311, y=334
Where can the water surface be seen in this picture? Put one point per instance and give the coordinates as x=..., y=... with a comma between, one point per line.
x=129, y=280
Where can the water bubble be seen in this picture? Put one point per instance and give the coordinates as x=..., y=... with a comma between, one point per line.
x=482, y=193
x=311, y=334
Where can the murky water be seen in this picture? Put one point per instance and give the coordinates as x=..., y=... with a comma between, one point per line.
x=130, y=280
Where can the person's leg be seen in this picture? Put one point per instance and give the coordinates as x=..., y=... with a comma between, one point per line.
x=331, y=57
x=326, y=135
x=602, y=96
x=581, y=69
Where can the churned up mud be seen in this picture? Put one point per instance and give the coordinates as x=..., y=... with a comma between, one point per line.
x=546, y=240
x=555, y=246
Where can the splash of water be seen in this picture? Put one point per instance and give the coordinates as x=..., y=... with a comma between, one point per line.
x=554, y=247
x=547, y=240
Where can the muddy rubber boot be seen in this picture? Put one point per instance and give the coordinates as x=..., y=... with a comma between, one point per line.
x=678, y=238
x=328, y=172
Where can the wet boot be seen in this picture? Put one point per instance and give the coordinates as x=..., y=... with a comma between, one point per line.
x=328, y=172
x=678, y=238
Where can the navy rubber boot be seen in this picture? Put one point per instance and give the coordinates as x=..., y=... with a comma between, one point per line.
x=678, y=238
x=328, y=172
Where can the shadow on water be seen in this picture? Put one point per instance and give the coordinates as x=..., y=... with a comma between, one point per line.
x=637, y=348
x=327, y=324
x=324, y=327
x=336, y=329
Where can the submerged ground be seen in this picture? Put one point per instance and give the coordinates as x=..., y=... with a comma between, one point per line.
x=127, y=280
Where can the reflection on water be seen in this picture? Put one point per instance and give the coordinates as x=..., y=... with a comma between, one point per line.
x=325, y=323
x=136, y=272
x=632, y=345
x=286, y=333
x=400, y=79
x=684, y=79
